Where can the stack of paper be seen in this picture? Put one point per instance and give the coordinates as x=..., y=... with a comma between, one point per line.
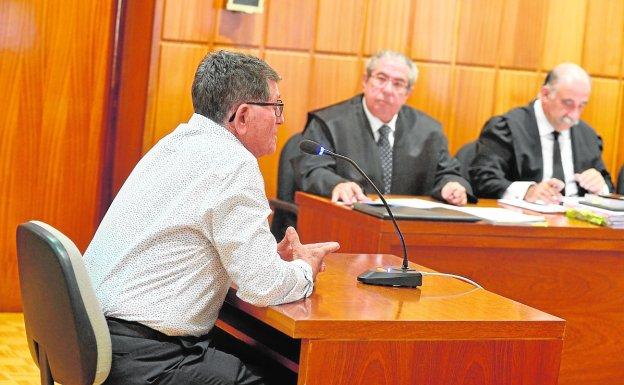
x=613, y=202
x=597, y=216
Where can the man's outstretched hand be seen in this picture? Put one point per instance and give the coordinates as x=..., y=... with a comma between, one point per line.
x=291, y=248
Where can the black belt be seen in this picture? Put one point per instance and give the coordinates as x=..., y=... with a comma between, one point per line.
x=133, y=329
x=122, y=327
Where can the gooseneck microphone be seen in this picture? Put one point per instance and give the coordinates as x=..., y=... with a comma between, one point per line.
x=401, y=276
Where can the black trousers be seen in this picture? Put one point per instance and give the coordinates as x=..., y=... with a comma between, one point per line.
x=142, y=356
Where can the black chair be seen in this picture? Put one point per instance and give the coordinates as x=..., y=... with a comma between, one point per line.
x=284, y=208
x=465, y=155
x=620, y=181
x=67, y=334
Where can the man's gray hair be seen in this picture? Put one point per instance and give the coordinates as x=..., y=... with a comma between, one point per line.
x=226, y=79
x=371, y=64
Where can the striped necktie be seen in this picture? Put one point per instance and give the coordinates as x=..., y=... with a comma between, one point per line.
x=385, y=156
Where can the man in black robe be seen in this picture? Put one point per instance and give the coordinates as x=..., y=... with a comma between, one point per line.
x=403, y=150
x=543, y=151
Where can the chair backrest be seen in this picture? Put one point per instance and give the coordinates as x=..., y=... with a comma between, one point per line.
x=620, y=181
x=286, y=187
x=465, y=155
x=65, y=326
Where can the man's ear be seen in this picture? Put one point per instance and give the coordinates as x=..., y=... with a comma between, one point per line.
x=409, y=92
x=241, y=120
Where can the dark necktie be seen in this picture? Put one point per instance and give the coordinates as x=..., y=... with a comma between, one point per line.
x=557, y=165
x=385, y=156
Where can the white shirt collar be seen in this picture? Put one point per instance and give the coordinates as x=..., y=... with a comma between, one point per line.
x=376, y=123
x=547, y=144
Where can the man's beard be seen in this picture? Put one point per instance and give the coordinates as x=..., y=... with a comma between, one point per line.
x=569, y=121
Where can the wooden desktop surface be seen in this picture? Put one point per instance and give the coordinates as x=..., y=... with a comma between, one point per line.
x=568, y=268
x=445, y=332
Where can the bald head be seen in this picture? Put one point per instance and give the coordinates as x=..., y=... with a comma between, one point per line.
x=564, y=95
x=567, y=73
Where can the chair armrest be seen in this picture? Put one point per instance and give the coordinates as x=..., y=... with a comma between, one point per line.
x=278, y=204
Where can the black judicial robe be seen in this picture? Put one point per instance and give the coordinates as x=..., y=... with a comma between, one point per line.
x=421, y=161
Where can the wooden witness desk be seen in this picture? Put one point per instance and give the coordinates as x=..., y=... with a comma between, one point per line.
x=443, y=333
x=569, y=268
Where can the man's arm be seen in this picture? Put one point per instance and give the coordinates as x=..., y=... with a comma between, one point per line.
x=493, y=159
x=317, y=174
x=593, y=176
x=450, y=186
x=239, y=231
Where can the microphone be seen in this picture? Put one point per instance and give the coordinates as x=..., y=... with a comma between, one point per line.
x=401, y=276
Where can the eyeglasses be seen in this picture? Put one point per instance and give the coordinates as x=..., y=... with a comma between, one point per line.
x=380, y=80
x=279, y=108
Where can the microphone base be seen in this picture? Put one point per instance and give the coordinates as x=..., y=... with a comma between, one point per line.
x=391, y=276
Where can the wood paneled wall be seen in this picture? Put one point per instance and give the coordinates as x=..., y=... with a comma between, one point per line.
x=476, y=57
x=54, y=74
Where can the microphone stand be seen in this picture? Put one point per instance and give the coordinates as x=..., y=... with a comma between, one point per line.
x=401, y=276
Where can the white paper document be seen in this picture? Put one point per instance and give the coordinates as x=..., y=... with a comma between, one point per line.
x=416, y=203
x=409, y=202
x=491, y=214
x=538, y=207
x=501, y=215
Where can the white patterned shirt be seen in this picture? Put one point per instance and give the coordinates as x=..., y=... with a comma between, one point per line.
x=190, y=219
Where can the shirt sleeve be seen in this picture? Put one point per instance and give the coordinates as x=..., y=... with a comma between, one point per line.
x=247, y=249
x=517, y=190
